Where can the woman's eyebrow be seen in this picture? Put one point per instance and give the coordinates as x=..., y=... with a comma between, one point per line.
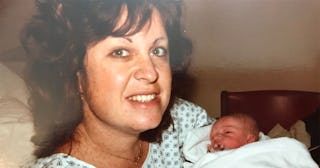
x=159, y=39
x=127, y=38
x=154, y=42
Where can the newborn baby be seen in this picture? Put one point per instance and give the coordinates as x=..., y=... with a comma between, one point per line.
x=233, y=131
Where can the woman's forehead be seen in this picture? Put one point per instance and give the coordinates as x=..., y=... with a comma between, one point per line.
x=138, y=23
x=127, y=24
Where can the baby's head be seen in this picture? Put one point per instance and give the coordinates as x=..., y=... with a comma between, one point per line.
x=233, y=131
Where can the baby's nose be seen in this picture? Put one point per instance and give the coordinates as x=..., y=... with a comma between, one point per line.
x=217, y=137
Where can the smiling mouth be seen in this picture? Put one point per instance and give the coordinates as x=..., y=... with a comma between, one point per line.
x=143, y=98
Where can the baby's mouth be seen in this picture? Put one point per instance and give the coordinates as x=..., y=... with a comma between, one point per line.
x=218, y=147
x=143, y=98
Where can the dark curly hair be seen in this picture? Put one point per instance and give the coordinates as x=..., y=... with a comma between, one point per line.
x=55, y=41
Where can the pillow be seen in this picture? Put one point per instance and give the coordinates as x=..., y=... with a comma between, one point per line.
x=297, y=131
x=16, y=130
x=12, y=86
x=16, y=125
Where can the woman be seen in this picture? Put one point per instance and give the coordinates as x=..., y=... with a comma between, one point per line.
x=100, y=75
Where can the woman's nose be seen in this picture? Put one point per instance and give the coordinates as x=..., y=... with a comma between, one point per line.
x=146, y=71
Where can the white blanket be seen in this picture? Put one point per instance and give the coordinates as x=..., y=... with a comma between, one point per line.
x=266, y=153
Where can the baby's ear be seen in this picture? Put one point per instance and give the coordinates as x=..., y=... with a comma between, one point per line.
x=251, y=138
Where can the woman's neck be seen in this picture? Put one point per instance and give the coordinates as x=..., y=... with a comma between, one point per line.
x=101, y=148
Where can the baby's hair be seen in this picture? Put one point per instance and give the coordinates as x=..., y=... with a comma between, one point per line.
x=250, y=122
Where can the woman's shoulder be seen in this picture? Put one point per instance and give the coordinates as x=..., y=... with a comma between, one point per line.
x=189, y=115
x=59, y=160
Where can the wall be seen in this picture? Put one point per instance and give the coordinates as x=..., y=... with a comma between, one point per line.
x=13, y=15
x=252, y=44
x=239, y=44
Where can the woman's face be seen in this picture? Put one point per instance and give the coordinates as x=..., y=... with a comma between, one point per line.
x=127, y=84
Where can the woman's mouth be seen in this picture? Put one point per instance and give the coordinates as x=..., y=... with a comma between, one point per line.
x=142, y=98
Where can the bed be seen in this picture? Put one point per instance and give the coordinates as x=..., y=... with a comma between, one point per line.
x=280, y=111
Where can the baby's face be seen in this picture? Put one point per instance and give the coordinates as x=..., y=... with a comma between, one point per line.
x=228, y=133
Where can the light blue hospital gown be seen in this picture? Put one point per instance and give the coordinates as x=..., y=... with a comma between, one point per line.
x=168, y=154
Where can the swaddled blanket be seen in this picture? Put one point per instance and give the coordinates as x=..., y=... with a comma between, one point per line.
x=266, y=153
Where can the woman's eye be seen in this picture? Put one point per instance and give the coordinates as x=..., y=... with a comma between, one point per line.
x=160, y=52
x=120, y=53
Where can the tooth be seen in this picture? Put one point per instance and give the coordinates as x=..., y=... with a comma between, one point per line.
x=142, y=98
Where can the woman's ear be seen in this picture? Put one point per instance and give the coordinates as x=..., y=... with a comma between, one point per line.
x=80, y=81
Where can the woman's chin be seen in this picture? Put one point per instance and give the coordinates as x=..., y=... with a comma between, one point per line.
x=144, y=124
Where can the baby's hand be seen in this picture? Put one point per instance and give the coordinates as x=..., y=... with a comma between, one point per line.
x=210, y=148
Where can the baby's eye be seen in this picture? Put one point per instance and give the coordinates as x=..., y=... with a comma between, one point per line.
x=159, y=51
x=120, y=53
